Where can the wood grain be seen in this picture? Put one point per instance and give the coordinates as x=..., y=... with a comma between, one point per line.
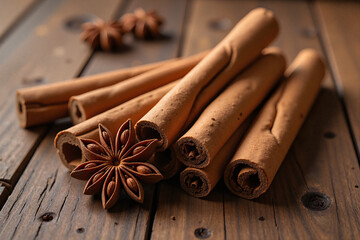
x=52, y=53
x=321, y=159
x=46, y=189
x=11, y=11
x=339, y=22
x=179, y=215
x=315, y=162
x=75, y=215
x=140, y=51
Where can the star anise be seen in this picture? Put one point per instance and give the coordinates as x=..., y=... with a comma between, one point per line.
x=117, y=163
x=144, y=25
x=104, y=35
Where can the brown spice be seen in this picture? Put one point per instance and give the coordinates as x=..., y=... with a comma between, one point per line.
x=143, y=169
x=118, y=166
x=144, y=25
x=104, y=35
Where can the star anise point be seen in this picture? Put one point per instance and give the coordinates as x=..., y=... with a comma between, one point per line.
x=117, y=163
x=144, y=25
x=103, y=35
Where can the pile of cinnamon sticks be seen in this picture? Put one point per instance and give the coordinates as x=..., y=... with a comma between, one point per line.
x=232, y=112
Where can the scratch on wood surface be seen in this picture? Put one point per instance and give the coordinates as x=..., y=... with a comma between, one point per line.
x=42, y=196
x=74, y=209
x=18, y=196
x=43, y=191
x=38, y=231
x=136, y=222
x=22, y=208
x=12, y=206
x=335, y=202
x=54, y=179
x=62, y=205
x=301, y=170
x=15, y=229
x=274, y=214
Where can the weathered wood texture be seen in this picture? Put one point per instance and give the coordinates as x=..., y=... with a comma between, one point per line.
x=25, y=27
x=322, y=158
x=56, y=194
x=178, y=215
x=48, y=204
x=4, y=194
x=52, y=53
x=340, y=28
x=140, y=51
x=11, y=11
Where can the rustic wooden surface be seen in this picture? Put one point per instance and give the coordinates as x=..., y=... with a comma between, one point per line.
x=51, y=53
x=40, y=201
x=339, y=25
x=11, y=12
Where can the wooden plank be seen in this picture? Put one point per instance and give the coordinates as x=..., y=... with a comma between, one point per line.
x=321, y=159
x=142, y=52
x=11, y=11
x=48, y=204
x=54, y=192
x=178, y=215
x=339, y=22
x=315, y=163
x=52, y=53
x=24, y=28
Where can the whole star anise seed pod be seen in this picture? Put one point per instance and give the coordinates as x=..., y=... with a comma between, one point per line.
x=117, y=163
x=144, y=25
x=106, y=36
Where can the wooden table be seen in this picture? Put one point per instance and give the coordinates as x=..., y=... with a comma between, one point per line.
x=39, y=44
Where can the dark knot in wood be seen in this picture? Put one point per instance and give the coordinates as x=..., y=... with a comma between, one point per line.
x=202, y=233
x=47, y=217
x=315, y=201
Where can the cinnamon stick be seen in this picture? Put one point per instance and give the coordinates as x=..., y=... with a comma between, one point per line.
x=87, y=105
x=259, y=156
x=200, y=182
x=67, y=141
x=46, y=103
x=242, y=45
x=167, y=163
x=225, y=114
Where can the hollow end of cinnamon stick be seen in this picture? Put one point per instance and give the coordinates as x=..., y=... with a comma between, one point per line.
x=245, y=179
x=167, y=163
x=192, y=153
x=195, y=182
x=68, y=149
x=148, y=130
x=76, y=111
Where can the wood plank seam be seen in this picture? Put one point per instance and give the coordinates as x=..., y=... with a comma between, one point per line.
x=19, y=19
x=10, y=184
x=43, y=133
x=155, y=199
x=74, y=205
x=334, y=77
x=188, y=4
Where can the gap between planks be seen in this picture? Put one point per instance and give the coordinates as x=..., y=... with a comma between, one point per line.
x=24, y=68
x=339, y=40
x=314, y=163
x=64, y=200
